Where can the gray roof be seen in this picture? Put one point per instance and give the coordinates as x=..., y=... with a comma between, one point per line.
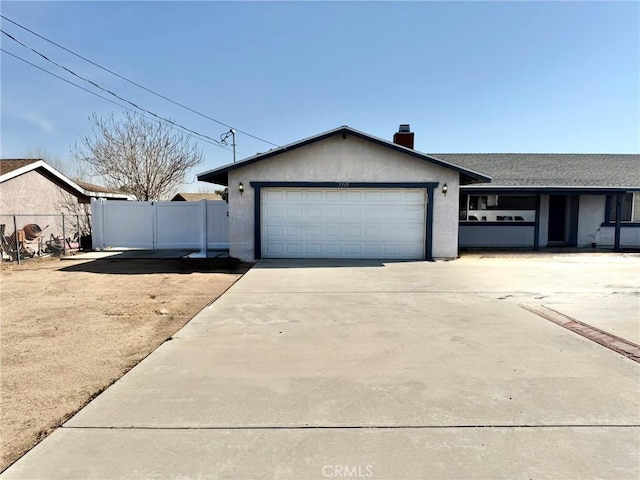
x=551, y=169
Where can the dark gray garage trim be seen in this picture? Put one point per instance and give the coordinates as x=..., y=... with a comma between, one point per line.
x=428, y=186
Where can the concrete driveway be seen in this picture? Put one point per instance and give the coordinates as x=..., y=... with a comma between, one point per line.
x=319, y=369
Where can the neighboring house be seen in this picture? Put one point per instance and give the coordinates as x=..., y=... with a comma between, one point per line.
x=37, y=193
x=347, y=194
x=344, y=194
x=195, y=197
x=540, y=200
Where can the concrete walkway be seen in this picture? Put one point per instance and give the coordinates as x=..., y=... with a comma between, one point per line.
x=309, y=369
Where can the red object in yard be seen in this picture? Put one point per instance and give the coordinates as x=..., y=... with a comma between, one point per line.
x=32, y=231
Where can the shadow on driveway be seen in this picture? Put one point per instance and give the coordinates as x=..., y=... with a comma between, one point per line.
x=174, y=265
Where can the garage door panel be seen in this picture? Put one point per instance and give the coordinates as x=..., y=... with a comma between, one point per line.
x=272, y=249
x=293, y=248
x=293, y=195
x=343, y=223
x=333, y=249
x=312, y=196
x=333, y=231
x=314, y=231
x=373, y=249
x=273, y=212
x=333, y=212
x=293, y=213
x=274, y=195
x=314, y=213
x=353, y=249
x=294, y=231
x=351, y=232
x=373, y=232
x=313, y=249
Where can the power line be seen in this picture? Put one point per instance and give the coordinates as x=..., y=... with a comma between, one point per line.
x=105, y=98
x=107, y=90
x=137, y=84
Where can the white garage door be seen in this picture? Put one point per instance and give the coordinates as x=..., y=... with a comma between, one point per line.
x=343, y=223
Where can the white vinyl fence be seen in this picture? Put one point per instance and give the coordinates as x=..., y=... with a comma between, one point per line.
x=202, y=225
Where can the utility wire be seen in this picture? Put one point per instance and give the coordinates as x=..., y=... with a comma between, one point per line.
x=103, y=97
x=107, y=90
x=137, y=84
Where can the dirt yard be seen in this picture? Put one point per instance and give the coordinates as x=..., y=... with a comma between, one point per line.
x=71, y=328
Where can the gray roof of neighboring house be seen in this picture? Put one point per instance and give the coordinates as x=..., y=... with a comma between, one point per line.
x=93, y=188
x=551, y=169
x=219, y=175
x=10, y=164
x=195, y=197
x=14, y=167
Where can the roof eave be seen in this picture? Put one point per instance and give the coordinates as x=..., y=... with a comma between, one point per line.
x=219, y=175
x=551, y=188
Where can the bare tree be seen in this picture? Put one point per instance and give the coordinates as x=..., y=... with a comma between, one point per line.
x=142, y=157
x=71, y=168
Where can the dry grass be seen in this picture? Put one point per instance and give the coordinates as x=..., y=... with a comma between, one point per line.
x=71, y=328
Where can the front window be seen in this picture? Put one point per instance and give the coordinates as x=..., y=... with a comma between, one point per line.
x=627, y=207
x=497, y=208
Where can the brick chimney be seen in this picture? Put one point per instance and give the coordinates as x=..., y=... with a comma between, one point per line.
x=404, y=136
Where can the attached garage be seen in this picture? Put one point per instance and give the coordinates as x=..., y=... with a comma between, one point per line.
x=343, y=223
x=343, y=194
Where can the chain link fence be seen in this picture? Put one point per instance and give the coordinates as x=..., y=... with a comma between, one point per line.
x=27, y=236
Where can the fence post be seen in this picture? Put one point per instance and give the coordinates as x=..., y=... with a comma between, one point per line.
x=64, y=237
x=97, y=224
x=15, y=230
x=205, y=226
x=154, y=225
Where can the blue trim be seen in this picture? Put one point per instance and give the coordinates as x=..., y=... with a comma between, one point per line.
x=536, y=230
x=508, y=223
x=219, y=175
x=622, y=224
x=479, y=190
x=428, y=255
x=342, y=185
x=257, y=186
x=257, y=236
x=616, y=240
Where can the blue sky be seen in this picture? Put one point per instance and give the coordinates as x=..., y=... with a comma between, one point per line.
x=468, y=76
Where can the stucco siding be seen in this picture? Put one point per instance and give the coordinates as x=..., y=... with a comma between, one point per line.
x=32, y=193
x=543, y=237
x=590, y=218
x=33, y=198
x=629, y=237
x=342, y=160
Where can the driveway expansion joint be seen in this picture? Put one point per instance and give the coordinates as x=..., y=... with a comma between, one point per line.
x=357, y=427
x=617, y=344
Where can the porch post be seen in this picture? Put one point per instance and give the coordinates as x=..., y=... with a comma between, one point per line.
x=616, y=246
x=536, y=228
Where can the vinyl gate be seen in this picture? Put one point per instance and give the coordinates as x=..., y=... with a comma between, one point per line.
x=202, y=225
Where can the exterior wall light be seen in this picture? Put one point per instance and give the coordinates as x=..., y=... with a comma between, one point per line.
x=445, y=189
x=241, y=188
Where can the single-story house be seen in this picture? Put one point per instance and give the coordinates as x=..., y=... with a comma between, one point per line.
x=35, y=192
x=348, y=194
x=540, y=200
x=344, y=194
x=195, y=197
